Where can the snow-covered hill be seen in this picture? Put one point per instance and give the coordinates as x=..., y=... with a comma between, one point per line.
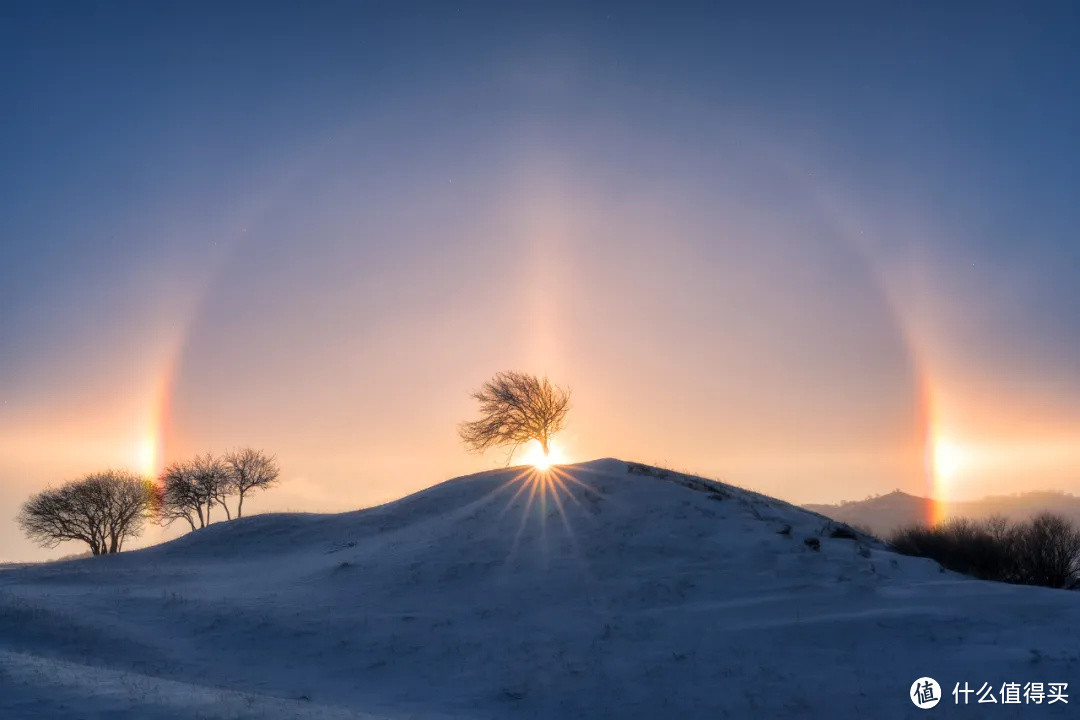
x=606, y=590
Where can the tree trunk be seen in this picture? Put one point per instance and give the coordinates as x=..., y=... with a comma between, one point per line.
x=544, y=445
x=240, y=505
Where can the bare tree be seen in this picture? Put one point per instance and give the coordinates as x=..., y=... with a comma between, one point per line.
x=102, y=509
x=188, y=490
x=212, y=480
x=178, y=497
x=515, y=408
x=249, y=469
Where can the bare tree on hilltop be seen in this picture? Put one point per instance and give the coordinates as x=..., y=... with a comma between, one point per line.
x=515, y=408
x=102, y=509
x=249, y=469
x=189, y=489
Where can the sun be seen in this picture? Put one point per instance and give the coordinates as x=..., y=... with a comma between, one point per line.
x=534, y=455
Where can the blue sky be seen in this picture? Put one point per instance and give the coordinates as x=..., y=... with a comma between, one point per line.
x=751, y=236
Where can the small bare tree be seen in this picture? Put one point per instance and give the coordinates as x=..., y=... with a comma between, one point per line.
x=249, y=469
x=102, y=509
x=515, y=408
x=177, y=496
x=188, y=490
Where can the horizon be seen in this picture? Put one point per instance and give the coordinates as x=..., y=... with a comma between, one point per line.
x=983, y=499
x=820, y=254
x=155, y=534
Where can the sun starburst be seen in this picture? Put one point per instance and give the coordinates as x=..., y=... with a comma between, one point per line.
x=535, y=457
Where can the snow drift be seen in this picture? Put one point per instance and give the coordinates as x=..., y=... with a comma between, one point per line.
x=607, y=589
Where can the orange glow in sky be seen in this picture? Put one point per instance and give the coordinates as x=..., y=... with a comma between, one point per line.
x=698, y=330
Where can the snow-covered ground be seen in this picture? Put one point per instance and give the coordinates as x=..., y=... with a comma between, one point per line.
x=605, y=593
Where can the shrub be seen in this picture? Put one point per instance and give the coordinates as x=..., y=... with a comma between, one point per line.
x=1042, y=551
x=1048, y=548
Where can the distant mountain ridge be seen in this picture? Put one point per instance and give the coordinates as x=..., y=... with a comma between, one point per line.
x=884, y=514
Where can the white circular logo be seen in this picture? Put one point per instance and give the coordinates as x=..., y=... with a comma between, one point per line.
x=925, y=693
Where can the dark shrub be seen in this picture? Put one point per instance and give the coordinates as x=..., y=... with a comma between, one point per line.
x=1048, y=552
x=843, y=532
x=1042, y=551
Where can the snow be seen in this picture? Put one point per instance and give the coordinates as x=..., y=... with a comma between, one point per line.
x=640, y=594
